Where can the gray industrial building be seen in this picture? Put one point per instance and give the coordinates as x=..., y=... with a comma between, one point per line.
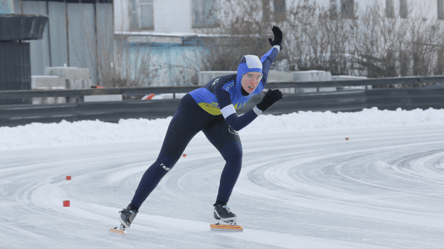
x=79, y=34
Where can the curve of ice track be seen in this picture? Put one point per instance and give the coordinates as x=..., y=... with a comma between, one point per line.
x=305, y=189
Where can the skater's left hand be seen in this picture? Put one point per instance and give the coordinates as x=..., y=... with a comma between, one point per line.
x=277, y=37
x=269, y=99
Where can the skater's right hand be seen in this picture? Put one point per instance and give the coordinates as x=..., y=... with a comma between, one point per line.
x=269, y=99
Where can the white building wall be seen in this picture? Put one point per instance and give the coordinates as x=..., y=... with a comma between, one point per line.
x=121, y=15
x=173, y=16
x=170, y=16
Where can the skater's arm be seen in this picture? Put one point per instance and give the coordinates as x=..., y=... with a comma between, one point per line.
x=269, y=57
x=226, y=107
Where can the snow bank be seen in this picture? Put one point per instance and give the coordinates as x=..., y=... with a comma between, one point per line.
x=89, y=132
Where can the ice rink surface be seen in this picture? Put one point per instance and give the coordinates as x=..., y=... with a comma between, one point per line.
x=384, y=187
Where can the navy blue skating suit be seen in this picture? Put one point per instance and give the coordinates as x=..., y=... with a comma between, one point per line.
x=210, y=109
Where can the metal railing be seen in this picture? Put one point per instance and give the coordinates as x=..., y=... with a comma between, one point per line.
x=344, y=101
x=131, y=91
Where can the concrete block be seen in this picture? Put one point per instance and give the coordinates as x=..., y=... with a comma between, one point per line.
x=48, y=100
x=314, y=89
x=102, y=98
x=73, y=73
x=347, y=77
x=278, y=76
x=313, y=75
x=78, y=83
x=275, y=76
x=47, y=82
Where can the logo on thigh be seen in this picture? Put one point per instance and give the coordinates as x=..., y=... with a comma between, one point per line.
x=165, y=167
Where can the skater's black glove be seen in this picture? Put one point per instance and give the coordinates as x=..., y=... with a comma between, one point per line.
x=277, y=37
x=270, y=98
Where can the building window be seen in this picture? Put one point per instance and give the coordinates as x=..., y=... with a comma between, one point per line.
x=403, y=8
x=389, y=9
x=142, y=15
x=146, y=14
x=441, y=9
x=279, y=10
x=204, y=13
x=348, y=8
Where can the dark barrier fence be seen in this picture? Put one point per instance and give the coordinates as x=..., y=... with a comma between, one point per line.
x=15, y=62
x=15, y=70
x=347, y=101
x=344, y=101
x=22, y=27
x=104, y=111
x=134, y=91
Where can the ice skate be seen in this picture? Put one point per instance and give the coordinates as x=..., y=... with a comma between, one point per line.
x=225, y=220
x=127, y=216
x=121, y=230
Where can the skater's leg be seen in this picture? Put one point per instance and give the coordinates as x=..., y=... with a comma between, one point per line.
x=227, y=141
x=186, y=123
x=151, y=178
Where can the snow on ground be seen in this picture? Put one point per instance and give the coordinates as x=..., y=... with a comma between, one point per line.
x=302, y=185
x=87, y=132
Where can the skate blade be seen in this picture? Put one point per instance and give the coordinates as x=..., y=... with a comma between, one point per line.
x=115, y=230
x=226, y=228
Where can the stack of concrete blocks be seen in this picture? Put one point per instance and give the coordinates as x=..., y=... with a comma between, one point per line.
x=57, y=78
x=46, y=82
x=75, y=78
x=314, y=75
x=78, y=78
x=347, y=77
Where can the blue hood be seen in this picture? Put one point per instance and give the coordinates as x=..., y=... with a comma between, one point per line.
x=248, y=63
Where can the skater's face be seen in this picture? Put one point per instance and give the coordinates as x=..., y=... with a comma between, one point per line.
x=250, y=81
